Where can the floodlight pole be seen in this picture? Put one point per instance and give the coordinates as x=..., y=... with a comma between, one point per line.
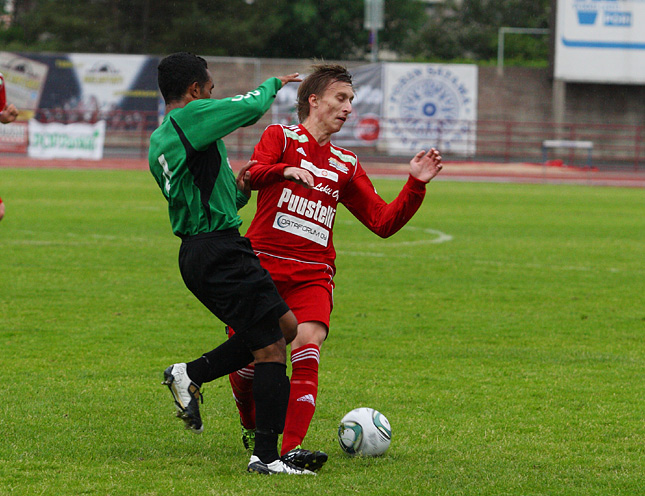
x=500, y=42
x=373, y=22
x=374, y=43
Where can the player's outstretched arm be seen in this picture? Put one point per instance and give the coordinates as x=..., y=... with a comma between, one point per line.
x=290, y=78
x=424, y=166
x=9, y=114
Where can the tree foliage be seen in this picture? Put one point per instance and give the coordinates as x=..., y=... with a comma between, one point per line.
x=469, y=29
x=329, y=29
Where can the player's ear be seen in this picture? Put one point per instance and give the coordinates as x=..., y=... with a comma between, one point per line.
x=313, y=101
x=195, y=90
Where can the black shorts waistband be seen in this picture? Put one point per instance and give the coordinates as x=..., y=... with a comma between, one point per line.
x=224, y=233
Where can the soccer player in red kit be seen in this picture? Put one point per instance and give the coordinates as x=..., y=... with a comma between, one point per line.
x=301, y=177
x=8, y=113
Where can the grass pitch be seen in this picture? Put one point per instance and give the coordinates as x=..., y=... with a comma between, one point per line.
x=501, y=333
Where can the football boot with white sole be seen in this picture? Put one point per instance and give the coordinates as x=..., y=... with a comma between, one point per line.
x=186, y=395
x=278, y=466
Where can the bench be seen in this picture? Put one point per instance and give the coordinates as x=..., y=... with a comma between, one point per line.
x=570, y=144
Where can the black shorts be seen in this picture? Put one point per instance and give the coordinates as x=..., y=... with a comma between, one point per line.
x=222, y=271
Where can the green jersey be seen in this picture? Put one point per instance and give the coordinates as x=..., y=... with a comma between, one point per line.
x=188, y=159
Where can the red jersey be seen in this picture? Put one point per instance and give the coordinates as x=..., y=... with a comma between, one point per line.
x=3, y=94
x=296, y=222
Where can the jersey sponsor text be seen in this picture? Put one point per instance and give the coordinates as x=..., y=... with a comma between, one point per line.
x=302, y=228
x=331, y=175
x=309, y=208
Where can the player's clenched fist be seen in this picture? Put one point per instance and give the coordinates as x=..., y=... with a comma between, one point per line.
x=9, y=114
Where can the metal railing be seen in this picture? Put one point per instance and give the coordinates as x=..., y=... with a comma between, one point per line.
x=615, y=146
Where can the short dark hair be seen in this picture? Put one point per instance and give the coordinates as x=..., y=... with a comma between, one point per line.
x=316, y=83
x=177, y=72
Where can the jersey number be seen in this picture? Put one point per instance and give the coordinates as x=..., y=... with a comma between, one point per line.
x=166, y=173
x=248, y=95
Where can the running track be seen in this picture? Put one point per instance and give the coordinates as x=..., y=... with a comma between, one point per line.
x=452, y=171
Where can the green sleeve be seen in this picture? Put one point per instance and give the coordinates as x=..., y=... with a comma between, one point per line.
x=241, y=199
x=213, y=119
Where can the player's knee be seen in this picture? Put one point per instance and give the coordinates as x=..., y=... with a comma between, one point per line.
x=289, y=326
x=312, y=332
x=276, y=352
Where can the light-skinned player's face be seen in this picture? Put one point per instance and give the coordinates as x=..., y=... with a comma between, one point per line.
x=333, y=107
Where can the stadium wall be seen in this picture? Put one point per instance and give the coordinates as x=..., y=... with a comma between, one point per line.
x=515, y=114
x=521, y=94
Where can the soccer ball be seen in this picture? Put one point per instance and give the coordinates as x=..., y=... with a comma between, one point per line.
x=364, y=431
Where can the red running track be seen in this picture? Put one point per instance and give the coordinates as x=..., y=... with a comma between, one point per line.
x=455, y=171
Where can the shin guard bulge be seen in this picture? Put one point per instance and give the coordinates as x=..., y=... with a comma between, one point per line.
x=242, y=385
x=303, y=396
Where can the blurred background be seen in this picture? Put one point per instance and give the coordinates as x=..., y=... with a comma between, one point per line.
x=550, y=82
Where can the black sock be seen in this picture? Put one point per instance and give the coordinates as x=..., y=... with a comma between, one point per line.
x=228, y=357
x=271, y=395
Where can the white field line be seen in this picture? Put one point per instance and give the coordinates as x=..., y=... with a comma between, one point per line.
x=435, y=237
x=440, y=237
x=70, y=239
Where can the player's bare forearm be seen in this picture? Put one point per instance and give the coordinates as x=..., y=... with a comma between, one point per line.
x=425, y=166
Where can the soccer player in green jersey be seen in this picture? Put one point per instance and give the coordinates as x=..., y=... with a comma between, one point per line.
x=188, y=159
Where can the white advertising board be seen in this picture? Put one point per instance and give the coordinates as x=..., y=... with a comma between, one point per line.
x=430, y=105
x=57, y=140
x=600, y=41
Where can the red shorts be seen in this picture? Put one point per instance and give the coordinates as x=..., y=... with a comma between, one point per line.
x=306, y=287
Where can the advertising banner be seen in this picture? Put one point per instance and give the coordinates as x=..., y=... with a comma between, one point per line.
x=55, y=140
x=363, y=128
x=600, y=41
x=430, y=105
x=80, y=87
x=24, y=80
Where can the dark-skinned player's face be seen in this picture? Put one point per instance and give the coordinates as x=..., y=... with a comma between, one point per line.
x=207, y=89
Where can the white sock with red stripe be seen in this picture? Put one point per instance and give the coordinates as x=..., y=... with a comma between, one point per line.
x=302, y=399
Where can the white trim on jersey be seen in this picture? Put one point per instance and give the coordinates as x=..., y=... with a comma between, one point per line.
x=349, y=153
x=328, y=267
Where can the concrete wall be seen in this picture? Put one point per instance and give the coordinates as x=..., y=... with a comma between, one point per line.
x=606, y=103
x=515, y=111
x=526, y=94
x=520, y=94
x=232, y=75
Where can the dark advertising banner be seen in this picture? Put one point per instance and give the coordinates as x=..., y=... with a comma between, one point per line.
x=80, y=87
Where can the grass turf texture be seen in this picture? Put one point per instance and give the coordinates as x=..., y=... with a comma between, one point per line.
x=509, y=359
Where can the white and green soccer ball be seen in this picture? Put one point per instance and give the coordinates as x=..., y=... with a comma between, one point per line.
x=364, y=431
